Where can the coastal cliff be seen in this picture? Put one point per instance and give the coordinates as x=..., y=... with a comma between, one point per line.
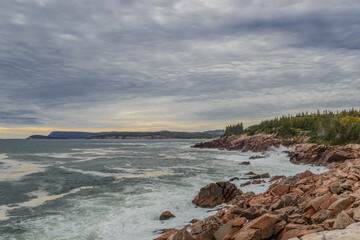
x=295, y=207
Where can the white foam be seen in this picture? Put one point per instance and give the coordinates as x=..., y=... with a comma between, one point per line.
x=133, y=213
x=84, y=154
x=41, y=198
x=14, y=170
x=117, y=175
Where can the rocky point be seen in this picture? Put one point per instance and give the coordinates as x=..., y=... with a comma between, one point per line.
x=304, y=206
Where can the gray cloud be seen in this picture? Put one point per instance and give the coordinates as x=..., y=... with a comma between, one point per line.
x=22, y=117
x=89, y=64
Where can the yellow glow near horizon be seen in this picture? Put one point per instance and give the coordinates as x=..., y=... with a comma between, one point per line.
x=133, y=126
x=23, y=132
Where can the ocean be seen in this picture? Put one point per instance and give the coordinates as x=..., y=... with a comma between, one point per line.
x=115, y=189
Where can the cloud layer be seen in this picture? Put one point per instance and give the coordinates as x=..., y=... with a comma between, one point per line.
x=174, y=64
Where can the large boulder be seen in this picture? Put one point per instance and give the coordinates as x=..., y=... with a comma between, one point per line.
x=340, y=205
x=342, y=221
x=317, y=202
x=166, y=215
x=338, y=156
x=216, y=193
x=229, y=228
x=262, y=227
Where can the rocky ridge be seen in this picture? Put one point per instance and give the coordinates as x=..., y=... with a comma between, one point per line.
x=303, y=152
x=293, y=207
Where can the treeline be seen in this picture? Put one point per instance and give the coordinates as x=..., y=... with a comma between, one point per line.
x=328, y=127
x=235, y=129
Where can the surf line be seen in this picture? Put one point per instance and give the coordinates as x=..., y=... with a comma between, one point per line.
x=119, y=176
x=36, y=202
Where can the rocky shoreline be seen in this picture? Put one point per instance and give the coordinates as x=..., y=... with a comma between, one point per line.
x=304, y=206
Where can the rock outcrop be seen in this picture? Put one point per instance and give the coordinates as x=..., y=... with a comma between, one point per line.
x=308, y=153
x=257, y=143
x=166, y=216
x=216, y=193
x=293, y=207
x=305, y=206
x=323, y=155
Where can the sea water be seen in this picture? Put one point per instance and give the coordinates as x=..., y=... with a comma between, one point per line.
x=115, y=189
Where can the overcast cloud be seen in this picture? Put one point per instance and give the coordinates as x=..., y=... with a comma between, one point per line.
x=177, y=65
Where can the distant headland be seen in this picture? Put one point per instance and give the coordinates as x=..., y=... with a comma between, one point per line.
x=130, y=135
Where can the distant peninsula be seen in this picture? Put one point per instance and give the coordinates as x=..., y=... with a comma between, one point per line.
x=130, y=135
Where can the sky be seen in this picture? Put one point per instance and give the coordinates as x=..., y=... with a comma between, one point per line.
x=189, y=65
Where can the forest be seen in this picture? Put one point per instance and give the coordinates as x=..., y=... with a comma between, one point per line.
x=334, y=128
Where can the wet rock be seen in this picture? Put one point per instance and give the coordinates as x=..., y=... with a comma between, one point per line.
x=245, y=184
x=216, y=193
x=166, y=215
x=256, y=157
x=257, y=181
x=252, y=182
x=276, y=177
x=234, y=179
x=265, y=175
x=194, y=220
x=245, y=163
x=251, y=173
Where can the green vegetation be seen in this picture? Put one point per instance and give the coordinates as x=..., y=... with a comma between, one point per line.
x=234, y=129
x=325, y=128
